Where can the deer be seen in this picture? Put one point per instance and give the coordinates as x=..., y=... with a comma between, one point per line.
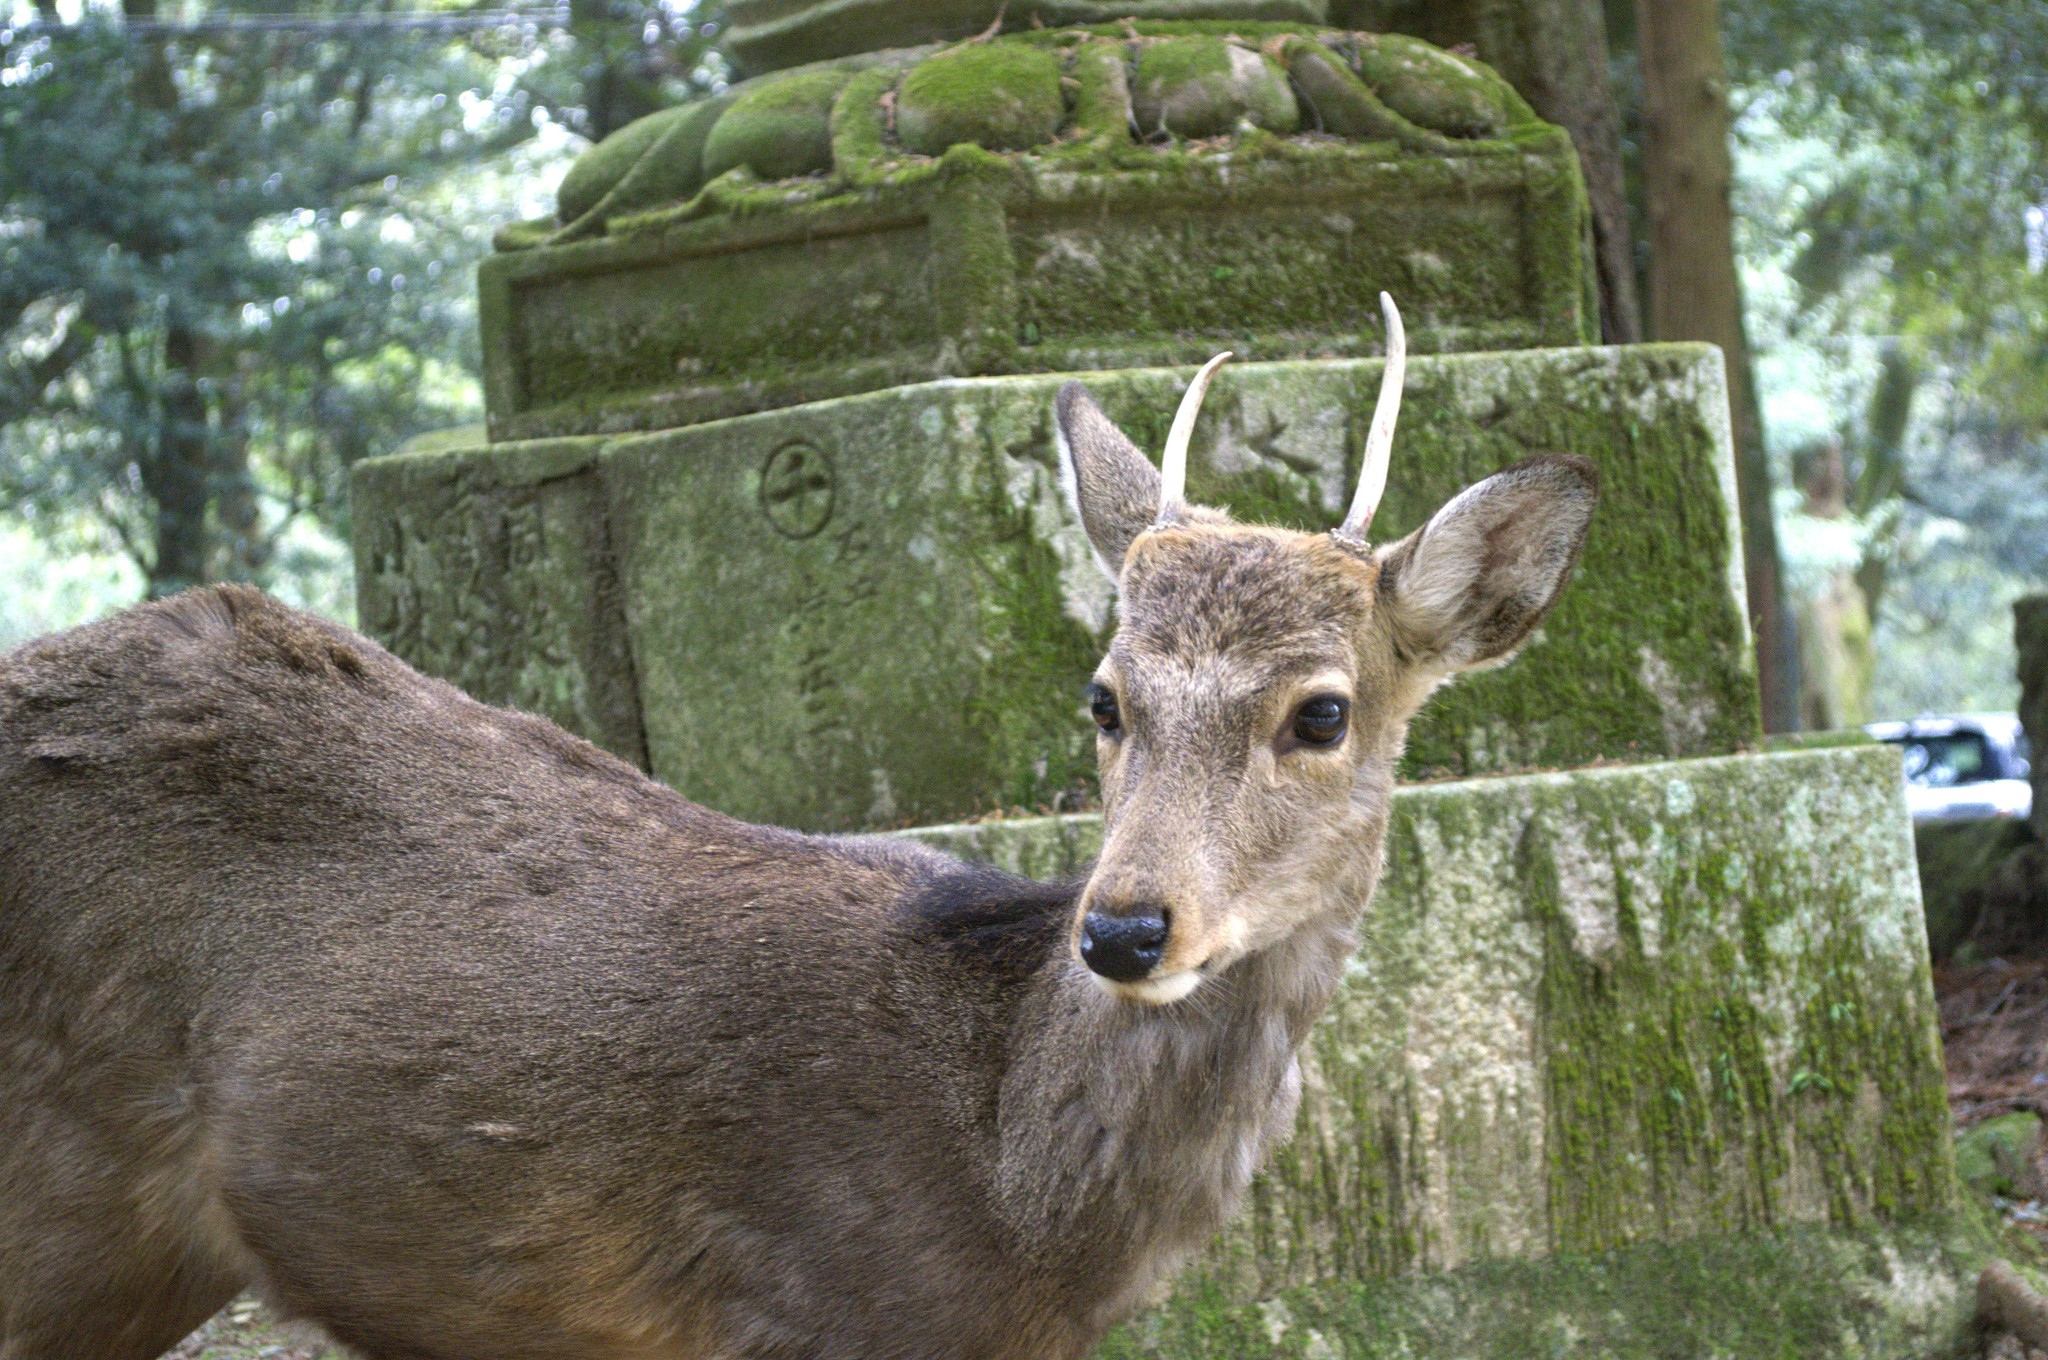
x=452, y=1034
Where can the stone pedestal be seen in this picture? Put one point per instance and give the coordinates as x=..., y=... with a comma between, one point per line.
x=878, y=610
x=1622, y=1046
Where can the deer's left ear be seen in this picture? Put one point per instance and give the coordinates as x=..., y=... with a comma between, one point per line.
x=1467, y=588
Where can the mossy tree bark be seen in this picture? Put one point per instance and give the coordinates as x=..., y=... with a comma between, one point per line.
x=1554, y=52
x=2030, y=638
x=1695, y=293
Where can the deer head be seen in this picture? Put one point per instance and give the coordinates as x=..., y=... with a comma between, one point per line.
x=1254, y=701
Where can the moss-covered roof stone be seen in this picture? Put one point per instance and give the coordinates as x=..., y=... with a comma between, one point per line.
x=765, y=35
x=1208, y=87
x=1002, y=96
x=1432, y=87
x=780, y=129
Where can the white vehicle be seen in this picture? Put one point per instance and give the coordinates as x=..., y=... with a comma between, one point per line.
x=1969, y=766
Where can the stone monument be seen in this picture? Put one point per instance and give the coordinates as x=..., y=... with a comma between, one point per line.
x=1640, y=1056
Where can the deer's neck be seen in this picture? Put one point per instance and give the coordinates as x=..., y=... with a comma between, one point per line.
x=1130, y=1132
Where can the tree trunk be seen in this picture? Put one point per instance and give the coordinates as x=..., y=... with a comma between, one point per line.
x=2030, y=641
x=175, y=466
x=1554, y=52
x=175, y=474
x=1695, y=293
x=1882, y=478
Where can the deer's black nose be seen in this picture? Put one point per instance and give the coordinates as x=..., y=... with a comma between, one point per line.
x=1122, y=948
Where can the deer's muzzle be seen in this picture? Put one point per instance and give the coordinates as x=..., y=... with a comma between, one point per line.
x=1123, y=948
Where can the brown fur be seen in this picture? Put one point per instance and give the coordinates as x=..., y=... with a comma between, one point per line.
x=464, y=1039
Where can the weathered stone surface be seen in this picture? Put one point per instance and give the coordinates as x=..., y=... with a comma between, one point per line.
x=877, y=610
x=1682, y=1003
x=764, y=35
x=778, y=130
x=999, y=96
x=1903, y=1292
x=497, y=574
x=1207, y=87
x=681, y=287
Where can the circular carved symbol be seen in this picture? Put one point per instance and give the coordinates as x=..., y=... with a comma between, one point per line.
x=797, y=487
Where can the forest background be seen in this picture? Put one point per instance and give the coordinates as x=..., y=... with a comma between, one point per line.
x=238, y=244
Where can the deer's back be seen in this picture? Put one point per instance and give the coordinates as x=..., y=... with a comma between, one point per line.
x=456, y=1014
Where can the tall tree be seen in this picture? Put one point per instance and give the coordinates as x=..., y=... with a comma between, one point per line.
x=223, y=272
x=1696, y=294
x=1894, y=166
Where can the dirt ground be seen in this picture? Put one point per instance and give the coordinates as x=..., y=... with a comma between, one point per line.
x=245, y=1330
x=1994, y=1030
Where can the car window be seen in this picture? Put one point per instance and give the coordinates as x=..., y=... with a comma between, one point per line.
x=2022, y=758
x=1937, y=762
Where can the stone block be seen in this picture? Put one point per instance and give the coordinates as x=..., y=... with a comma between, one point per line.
x=766, y=34
x=1670, y=1020
x=752, y=297
x=496, y=573
x=877, y=610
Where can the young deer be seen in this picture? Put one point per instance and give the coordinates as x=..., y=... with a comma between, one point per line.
x=458, y=1036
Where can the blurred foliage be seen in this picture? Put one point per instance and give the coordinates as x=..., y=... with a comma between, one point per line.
x=1893, y=199
x=234, y=260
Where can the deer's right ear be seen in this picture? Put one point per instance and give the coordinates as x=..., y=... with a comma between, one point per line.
x=1467, y=588
x=1114, y=487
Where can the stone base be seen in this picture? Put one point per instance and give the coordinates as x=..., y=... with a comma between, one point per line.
x=1628, y=1022
x=1877, y=1293
x=878, y=610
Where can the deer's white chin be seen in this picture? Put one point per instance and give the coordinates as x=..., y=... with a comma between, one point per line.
x=1153, y=991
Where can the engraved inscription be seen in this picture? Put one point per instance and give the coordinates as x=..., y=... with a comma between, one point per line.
x=797, y=490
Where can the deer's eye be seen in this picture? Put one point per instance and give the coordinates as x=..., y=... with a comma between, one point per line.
x=1321, y=721
x=1102, y=707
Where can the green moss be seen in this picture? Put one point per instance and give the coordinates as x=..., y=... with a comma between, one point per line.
x=1900, y=1294
x=1102, y=96
x=1432, y=88
x=668, y=170
x=1634, y=1062
x=1342, y=104
x=605, y=164
x=859, y=131
x=779, y=129
x=1992, y=1157
x=766, y=34
x=1001, y=96
x=1204, y=87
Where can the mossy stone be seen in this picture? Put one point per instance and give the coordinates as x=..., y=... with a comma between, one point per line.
x=1432, y=88
x=1599, y=1010
x=1991, y=1157
x=778, y=130
x=1002, y=96
x=950, y=555
x=767, y=35
x=1206, y=86
x=606, y=163
x=664, y=163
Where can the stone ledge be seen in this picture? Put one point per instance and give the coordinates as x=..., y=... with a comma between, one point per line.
x=1595, y=1011
x=1876, y=1293
x=944, y=576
